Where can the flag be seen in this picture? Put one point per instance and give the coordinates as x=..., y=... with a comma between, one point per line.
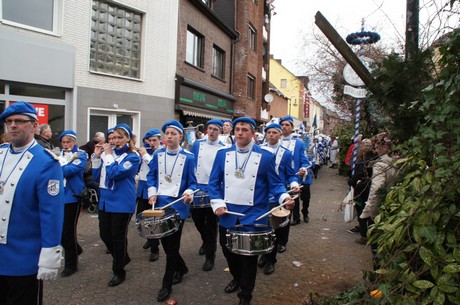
x=315, y=125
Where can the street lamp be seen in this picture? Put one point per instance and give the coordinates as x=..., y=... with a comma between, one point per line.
x=290, y=101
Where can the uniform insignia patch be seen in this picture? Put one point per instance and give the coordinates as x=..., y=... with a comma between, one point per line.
x=53, y=187
x=77, y=161
x=127, y=165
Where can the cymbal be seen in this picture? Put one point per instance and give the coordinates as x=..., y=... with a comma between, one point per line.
x=281, y=212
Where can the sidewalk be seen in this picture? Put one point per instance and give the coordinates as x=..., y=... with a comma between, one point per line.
x=331, y=262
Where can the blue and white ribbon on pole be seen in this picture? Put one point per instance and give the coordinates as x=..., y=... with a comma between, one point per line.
x=355, y=139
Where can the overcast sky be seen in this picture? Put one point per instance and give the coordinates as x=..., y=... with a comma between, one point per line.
x=295, y=18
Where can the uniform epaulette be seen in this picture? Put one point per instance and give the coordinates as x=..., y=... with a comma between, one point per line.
x=52, y=154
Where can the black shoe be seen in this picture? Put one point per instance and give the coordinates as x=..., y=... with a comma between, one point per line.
x=295, y=222
x=245, y=302
x=355, y=229
x=116, y=280
x=208, y=265
x=232, y=286
x=178, y=275
x=306, y=219
x=79, y=249
x=163, y=294
x=281, y=248
x=154, y=256
x=262, y=261
x=269, y=268
x=147, y=244
x=202, y=251
x=68, y=272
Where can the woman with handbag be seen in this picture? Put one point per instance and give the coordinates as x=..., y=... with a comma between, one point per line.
x=73, y=163
x=115, y=169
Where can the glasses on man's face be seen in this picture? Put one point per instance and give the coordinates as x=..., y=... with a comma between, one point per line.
x=16, y=122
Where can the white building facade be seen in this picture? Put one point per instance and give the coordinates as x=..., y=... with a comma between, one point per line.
x=88, y=65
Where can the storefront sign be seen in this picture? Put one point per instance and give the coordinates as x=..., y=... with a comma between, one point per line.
x=199, y=99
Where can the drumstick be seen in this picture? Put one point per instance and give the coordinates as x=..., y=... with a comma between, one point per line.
x=271, y=211
x=288, y=192
x=234, y=213
x=177, y=200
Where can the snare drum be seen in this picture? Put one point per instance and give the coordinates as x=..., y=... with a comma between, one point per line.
x=156, y=227
x=250, y=240
x=200, y=200
x=279, y=218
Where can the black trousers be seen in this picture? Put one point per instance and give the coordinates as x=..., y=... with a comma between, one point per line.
x=206, y=223
x=142, y=205
x=174, y=261
x=305, y=197
x=69, y=234
x=243, y=268
x=21, y=290
x=280, y=234
x=113, y=230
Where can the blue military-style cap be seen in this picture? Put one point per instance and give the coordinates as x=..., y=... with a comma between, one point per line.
x=227, y=121
x=125, y=127
x=216, y=122
x=19, y=108
x=109, y=131
x=173, y=124
x=275, y=126
x=288, y=118
x=154, y=132
x=68, y=133
x=245, y=119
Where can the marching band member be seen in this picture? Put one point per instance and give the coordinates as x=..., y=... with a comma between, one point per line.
x=301, y=165
x=152, y=140
x=226, y=136
x=115, y=169
x=204, y=218
x=32, y=210
x=171, y=175
x=241, y=178
x=284, y=166
x=73, y=162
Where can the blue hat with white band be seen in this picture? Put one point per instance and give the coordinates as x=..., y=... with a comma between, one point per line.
x=125, y=127
x=173, y=124
x=216, y=122
x=245, y=119
x=288, y=118
x=152, y=133
x=275, y=126
x=19, y=108
x=68, y=133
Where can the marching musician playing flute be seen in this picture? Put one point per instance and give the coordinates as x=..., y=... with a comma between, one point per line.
x=241, y=178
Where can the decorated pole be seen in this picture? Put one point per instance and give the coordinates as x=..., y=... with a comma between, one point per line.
x=359, y=38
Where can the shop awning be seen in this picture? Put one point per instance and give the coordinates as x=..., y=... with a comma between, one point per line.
x=203, y=113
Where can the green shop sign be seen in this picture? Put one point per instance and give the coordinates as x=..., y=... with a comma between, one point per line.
x=199, y=99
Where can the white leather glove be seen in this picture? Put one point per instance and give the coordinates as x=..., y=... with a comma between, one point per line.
x=47, y=274
x=49, y=263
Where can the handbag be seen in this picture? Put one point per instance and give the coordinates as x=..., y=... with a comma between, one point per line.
x=84, y=197
x=350, y=212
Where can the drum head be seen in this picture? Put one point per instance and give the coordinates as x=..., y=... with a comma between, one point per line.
x=253, y=228
x=281, y=212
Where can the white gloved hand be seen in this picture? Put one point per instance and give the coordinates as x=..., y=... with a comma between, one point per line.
x=49, y=263
x=47, y=274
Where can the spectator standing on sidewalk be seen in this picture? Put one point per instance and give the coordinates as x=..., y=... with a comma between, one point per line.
x=43, y=136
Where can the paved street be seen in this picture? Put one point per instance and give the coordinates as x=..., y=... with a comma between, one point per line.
x=330, y=262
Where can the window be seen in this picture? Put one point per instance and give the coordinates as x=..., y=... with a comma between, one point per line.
x=283, y=83
x=42, y=16
x=252, y=38
x=251, y=87
x=115, y=39
x=195, y=49
x=218, y=63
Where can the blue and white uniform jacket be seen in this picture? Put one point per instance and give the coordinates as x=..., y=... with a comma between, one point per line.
x=115, y=173
x=205, y=153
x=171, y=175
x=73, y=166
x=299, y=153
x=248, y=195
x=31, y=208
x=143, y=171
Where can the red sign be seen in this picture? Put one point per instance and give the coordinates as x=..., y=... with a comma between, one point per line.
x=306, y=110
x=42, y=112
